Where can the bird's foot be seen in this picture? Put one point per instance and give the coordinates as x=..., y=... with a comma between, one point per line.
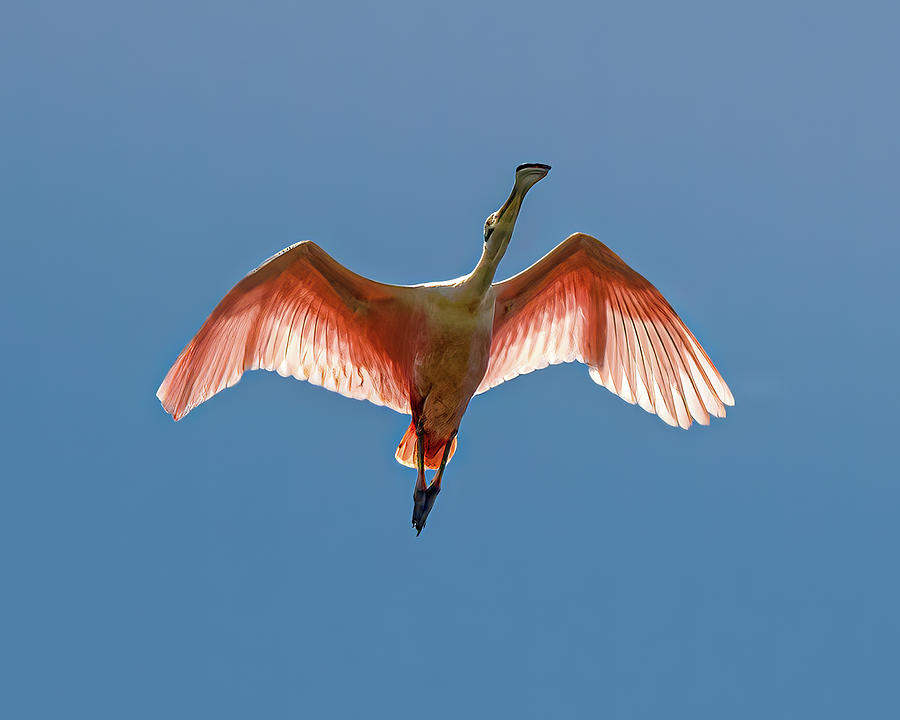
x=423, y=501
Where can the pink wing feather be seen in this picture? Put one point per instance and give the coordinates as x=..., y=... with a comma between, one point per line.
x=583, y=302
x=300, y=313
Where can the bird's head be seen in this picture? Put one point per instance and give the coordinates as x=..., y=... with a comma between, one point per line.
x=499, y=226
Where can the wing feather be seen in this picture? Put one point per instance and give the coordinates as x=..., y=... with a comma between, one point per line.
x=583, y=302
x=303, y=314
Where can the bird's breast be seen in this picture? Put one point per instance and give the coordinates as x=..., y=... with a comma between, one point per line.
x=453, y=350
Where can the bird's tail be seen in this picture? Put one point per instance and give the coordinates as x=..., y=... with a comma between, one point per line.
x=406, y=450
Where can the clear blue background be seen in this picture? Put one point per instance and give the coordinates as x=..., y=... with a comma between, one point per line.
x=584, y=559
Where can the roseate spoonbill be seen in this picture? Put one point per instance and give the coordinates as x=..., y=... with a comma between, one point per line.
x=425, y=350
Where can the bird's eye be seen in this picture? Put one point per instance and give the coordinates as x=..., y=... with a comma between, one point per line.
x=489, y=226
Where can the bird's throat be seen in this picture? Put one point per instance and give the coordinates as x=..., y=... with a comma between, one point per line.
x=482, y=276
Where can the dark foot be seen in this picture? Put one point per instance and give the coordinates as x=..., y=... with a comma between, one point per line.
x=423, y=501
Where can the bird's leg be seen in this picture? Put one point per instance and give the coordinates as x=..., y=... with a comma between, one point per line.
x=436, y=482
x=420, y=457
x=421, y=489
x=424, y=499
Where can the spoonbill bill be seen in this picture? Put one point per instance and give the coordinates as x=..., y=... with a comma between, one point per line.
x=426, y=350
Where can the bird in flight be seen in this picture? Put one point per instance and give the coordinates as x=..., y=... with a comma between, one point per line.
x=426, y=350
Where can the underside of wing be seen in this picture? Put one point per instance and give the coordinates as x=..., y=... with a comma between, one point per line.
x=583, y=302
x=303, y=314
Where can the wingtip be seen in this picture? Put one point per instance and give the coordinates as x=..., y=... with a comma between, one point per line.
x=724, y=393
x=167, y=406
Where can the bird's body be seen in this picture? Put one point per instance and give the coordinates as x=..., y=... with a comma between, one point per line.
x=451, y=353
x=426, y=350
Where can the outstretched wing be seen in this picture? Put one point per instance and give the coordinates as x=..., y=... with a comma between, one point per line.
x=582, y=302
x=300, y=313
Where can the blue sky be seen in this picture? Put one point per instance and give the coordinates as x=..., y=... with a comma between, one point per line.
x=584, y=559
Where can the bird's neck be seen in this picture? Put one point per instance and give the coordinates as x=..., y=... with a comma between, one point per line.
x=480, y=279
x=482, y=276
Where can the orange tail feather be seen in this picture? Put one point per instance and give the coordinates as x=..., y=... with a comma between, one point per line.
x=406, y=451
